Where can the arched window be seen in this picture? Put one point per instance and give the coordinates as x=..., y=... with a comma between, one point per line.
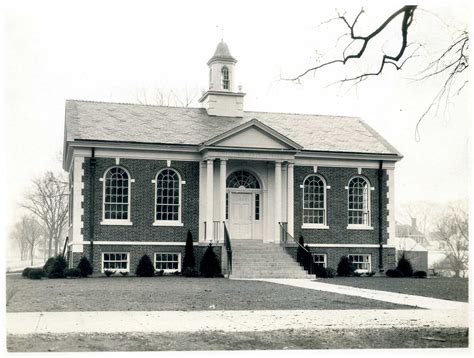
x=358, y=201
x=168, y=196
x=116, y=194
x=225, y=78
x=314, y=200
x=242, y=179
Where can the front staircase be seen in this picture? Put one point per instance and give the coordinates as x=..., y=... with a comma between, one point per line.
x=255, y=259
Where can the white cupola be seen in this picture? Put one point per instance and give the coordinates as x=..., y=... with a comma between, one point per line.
x=222, y=99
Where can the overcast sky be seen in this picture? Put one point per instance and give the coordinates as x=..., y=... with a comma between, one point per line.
x=114, y=51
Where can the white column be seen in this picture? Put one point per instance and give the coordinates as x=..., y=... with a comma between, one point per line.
x=209, y=199
x=290, y=199
x=277, y=200
x=222, y=178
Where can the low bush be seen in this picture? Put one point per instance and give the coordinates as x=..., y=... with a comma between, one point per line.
x=58, y=267
x=85, y=267
x=394, y=273
x=404, y=266
x=357, y=274
x=345, y=267
x=26, y=271
x=331, y=272
x=419, y=274
x=145, y=267
x=48, y=265
x=72, y=272
x=321, y=271
x=160, y=272
x=109, y=273
x=190, y=272
x=36, y=273
x=124, y=273
x=370, y=274
x=210, y=266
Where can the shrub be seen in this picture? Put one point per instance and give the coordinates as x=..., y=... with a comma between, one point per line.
x=300, y=252
x=145, y=267
x=210, y=266
x=419, y=274
x=189, y=260
x=124, y=273
x=357, y=274
x=345, y=267
x=58, y=268
x=160, y=272
x=36, y=273
x=321, y=272
x=85, y=267
x=109, y=273
x=190, y=272
x=370, y=274
x=394, y=273
x=404, y=266
x=26, y=271
x=331, y=272
x=48, y=265
x=73, y=272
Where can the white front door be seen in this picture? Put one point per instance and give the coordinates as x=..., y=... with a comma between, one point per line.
x=241, y=215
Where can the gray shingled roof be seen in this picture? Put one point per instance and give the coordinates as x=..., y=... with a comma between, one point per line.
x=173, y=125
x=222, y=53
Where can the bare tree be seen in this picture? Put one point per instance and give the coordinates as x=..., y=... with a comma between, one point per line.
x=168, y=98
x=48, y=201
x=18, y=236
x=28, y=233
x=452, y=231
x=451, y=63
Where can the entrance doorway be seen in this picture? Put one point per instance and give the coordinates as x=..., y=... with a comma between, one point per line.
x=241, y=215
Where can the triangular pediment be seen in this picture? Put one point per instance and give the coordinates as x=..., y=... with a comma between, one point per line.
x=253, y=134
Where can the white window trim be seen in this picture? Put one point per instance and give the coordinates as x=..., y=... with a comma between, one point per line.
x=325, y=258
x=117, y=270
x=367, y=226
x=178, y=222
x=120, y=222
x=369, y=262
x=167, y=252
x=324, y=225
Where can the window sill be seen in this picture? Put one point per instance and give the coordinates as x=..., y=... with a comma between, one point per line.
x=116, y=222
x=314, y=226
x=116, y=270
x=167, y=223
x=359, y=227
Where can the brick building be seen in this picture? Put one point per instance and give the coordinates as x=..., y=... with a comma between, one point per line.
x=141, y=176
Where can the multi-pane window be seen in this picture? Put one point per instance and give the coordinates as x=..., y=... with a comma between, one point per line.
x=168, y=194
x=361, y=262
x=115, y=261
x=314, y=201
x=257, y=206
x=320, y=260
x=225, y=78
x=358, y=202
x=116, y=194
x=169, y=261
x=242, y=179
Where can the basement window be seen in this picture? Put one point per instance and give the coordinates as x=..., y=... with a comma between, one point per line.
x=116, y=261
x=320, y=260
x=168, y=261
x=362, y=263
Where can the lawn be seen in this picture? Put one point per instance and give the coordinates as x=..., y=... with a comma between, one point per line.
x=174, y=293
x=454, y=289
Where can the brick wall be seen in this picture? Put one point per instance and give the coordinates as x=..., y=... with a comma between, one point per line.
x=143, y=202
x=337, y=217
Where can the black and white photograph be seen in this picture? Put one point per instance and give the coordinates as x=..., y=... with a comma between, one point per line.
x=236, y=178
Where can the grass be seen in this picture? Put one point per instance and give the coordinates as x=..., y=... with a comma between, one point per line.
x=275, y=340
x=173, y=293
x=454, y=289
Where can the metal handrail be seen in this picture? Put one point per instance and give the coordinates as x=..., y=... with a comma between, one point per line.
x=228, y=249
x=65, y=245
x=284, y=233
x=307, y=263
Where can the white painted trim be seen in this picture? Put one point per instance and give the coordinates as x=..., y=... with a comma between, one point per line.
x=168, y=163
x=142, y=243
x=116, y=270
x=325, y=262
x=359, y=171
x=117, y=161
x=369, y=209
x=325, y=220
x=328, y=187
x=168, y=252
x=369, y=261
x=314, y=226
x=78, y=207
x=116, y=222
x=369, y=246
x=359, y=227
x=167, y=223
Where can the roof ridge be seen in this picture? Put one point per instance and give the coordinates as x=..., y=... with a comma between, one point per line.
x=307, y=114
x=128, y=104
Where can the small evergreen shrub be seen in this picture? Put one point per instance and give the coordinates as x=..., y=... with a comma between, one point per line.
x=124, y=273
x=109, y=273
x=73, y=272
x=36, y=273
x=356, y=274
x=419, y=274
x=58, y=268
x=321, y=272
x=331, y=272
x=160, y=273
x=145, y=267
x=404, y=266
x=210, y=266
x=345, y=267
x=48, y=265
x=189, y=261
x=300, y=252
x=26, y=271
x=85, y=267
x=394, y=273
x=190, y=272
x=370, y=274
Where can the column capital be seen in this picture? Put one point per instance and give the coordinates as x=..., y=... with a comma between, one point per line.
x=291, y=165
x=223, y=161
x=278, y=162
x=210, y=160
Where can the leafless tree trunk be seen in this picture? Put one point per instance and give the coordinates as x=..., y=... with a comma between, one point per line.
x=168, y=98
x=28, y=233
x=48, y=201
